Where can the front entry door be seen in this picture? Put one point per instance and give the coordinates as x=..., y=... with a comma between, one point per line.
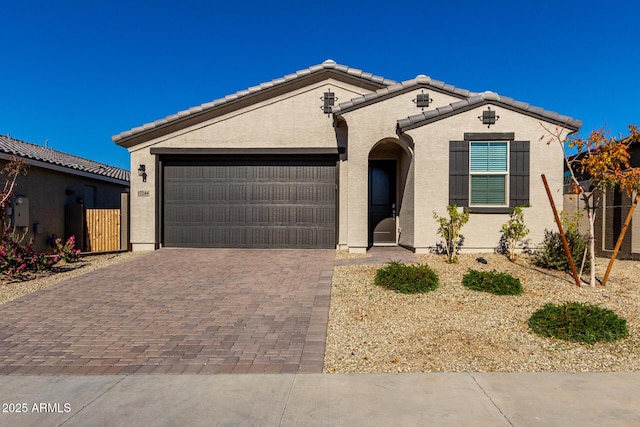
x=382, y=202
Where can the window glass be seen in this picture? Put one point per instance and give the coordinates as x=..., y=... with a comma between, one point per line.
x=489, y=157
x=488, y=189
x=488, y=169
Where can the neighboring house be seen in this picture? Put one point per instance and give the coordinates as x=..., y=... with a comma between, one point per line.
x=610, y=217
x=332, y=156
x=54, y=182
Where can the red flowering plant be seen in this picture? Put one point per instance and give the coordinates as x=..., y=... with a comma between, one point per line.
x=17, y=260
x=66, y=252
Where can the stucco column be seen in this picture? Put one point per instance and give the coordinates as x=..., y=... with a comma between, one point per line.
x=143, y=202
x=358, y=200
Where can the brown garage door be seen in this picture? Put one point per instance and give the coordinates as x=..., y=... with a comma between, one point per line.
x=268, y=203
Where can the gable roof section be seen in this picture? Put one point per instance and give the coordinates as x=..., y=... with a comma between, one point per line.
x=38, y=155
x=328, y=66
x=484, y=98
x=390, y=91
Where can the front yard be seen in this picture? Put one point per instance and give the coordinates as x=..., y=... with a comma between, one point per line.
x=455, y=329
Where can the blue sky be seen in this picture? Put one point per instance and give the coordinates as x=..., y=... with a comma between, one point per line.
x=76, y=73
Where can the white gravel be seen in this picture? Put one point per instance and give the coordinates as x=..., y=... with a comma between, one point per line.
x=455, y=329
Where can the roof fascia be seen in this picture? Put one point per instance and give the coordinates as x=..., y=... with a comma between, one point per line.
x=64, y=169
x=393, y=94
x=452, y=112
x=220, y=107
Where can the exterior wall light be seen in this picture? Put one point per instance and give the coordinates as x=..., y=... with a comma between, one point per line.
x=422, y=100
x=329, y=99
x=488, y=117
x=142, y=172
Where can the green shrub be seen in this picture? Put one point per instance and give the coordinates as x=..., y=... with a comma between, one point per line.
x=407, y=279
x=492, y=281
x=578, y=322
x=551, y=253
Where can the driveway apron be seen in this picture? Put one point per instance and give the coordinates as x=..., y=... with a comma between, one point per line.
x=176, y=311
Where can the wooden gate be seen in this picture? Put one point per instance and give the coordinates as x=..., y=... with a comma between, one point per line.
x=103, y=230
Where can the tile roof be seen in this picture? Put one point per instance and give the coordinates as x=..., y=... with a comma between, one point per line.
x=429, y=116
x=9, y=145
x=391, y=90
x=326, y=65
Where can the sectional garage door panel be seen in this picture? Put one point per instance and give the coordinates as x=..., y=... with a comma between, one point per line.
x=249, y=204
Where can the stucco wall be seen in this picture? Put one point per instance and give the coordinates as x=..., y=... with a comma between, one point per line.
x=290, y=120
x=482, y=232
x=47, y=193
x=368, y=126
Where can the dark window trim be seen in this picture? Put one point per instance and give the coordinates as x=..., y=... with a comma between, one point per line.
x=490, y=210
x=489, y=136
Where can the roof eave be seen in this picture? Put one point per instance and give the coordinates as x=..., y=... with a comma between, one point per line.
x=193, y=115
x=413, y=122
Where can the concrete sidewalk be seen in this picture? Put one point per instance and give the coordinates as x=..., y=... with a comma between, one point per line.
x=438, y=399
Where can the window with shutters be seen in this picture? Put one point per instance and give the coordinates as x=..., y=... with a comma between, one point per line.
x=488, y=173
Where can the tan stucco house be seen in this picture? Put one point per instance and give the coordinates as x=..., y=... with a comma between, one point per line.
x=55, y=183
x=334, y=157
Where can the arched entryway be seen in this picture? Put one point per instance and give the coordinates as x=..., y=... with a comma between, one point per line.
x=389, y=162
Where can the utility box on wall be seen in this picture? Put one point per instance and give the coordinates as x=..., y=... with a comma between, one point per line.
x=21, y=211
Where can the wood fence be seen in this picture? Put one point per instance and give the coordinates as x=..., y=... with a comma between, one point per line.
x=103, y=230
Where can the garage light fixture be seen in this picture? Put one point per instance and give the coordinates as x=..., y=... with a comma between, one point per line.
x=142, y=172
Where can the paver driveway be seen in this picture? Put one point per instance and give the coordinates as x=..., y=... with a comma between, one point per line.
x=176, y=311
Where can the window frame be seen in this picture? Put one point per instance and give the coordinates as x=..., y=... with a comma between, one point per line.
x=505, y=174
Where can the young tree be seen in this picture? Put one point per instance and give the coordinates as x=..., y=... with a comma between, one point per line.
x=449, y=229
x=513, y=231
x=603, y=162
x=15, y=168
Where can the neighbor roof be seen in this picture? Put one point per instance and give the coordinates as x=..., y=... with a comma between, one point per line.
x=493, y=98
x=326, y=65
x=74, y=164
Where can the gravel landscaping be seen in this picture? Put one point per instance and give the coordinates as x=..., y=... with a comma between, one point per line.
x=456, y=329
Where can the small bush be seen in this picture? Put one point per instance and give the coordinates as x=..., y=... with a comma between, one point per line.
x=17, y=259
x=578, y=322
x=551, y=253
x=66, y=252
x=513, y=231
x=449, y=229
x=407, y=279
x=492, y=281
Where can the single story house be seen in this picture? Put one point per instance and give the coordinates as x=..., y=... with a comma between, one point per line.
x=54, y=182
x=335, y=157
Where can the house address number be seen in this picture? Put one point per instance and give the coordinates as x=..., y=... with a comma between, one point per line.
x=143, y=193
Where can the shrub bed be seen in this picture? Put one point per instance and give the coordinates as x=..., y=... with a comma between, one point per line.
x=407, y=279
x=493, y=282
x=578, y=322
x=551, y=253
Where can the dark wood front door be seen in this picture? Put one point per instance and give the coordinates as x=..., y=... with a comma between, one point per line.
x=382, y=202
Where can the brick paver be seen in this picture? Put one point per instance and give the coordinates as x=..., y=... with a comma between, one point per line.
x=174, y=311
